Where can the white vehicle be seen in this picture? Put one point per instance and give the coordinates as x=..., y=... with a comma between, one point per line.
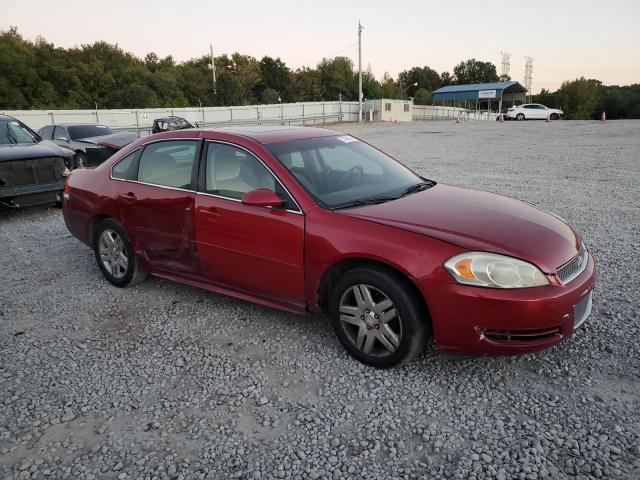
x=531, y=111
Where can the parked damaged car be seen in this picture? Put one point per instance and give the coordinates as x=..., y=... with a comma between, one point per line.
x=90, y=143
x=167, y=124
x=32, y=170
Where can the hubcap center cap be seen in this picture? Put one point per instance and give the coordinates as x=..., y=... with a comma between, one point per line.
x=370, y=321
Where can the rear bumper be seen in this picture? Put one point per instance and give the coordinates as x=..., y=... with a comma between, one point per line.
x=28, y=195
x=493, y=322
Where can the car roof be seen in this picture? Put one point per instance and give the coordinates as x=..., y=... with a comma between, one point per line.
x=6, y=117
x=273, y=134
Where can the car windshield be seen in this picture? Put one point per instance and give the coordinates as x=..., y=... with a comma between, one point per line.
x=13, y=132
x=86, y=131
x=342, y=171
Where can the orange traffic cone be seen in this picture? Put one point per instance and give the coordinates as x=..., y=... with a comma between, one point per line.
x=501, y=118
x=604, y=117
x=458, y=119
x=547, y=119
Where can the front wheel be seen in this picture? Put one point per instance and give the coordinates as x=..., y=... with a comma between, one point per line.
x=555, y=116
x=520, y=116
x=115, y=256
x=377, y=317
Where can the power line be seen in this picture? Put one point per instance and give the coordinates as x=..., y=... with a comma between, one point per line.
x=332, y=55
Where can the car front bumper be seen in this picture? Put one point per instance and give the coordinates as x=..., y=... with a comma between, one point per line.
x=494, y=322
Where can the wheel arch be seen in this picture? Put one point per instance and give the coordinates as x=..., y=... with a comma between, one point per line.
x=93, y=224
x=338, y=268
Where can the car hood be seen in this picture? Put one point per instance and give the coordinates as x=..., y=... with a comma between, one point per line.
x=118, y=139
x=479, y=220
x=26, y=151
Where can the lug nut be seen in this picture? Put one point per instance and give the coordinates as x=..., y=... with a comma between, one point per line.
x=376, y=316
x=361, y=317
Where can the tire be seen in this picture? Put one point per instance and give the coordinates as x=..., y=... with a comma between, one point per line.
x=119, y=272
x=520, y=116
x=554, y=116
x=363, y=331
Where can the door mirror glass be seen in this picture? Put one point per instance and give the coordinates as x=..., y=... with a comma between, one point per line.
x=262, y=197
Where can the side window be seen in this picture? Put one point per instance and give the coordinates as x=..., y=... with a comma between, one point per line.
x=60, y=132
x=168, y=163
x=231, y=172
x=406, y=107
x=46, y=133
x=124, y=168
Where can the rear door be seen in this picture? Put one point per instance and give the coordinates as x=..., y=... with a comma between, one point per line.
x=157, y=204
x=250, y=248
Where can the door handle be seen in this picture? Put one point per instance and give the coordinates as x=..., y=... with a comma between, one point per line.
x=128, y=197
x=211, y=212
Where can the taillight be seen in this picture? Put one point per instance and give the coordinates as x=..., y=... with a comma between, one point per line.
x=67, y=189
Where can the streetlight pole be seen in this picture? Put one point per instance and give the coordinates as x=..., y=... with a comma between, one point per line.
x=402, y=92
x=360, y=28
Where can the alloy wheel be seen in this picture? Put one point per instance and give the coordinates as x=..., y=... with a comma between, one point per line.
x=113, y=253
x=370, y=319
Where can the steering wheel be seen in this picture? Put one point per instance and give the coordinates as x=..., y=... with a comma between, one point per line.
x=354, y=172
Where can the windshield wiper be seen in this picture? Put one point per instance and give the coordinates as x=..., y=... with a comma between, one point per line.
x=366, y=201
x=418, y=187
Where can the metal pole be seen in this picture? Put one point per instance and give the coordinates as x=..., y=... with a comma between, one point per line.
x=213, y=70
x=360, y=27
x=97, y=121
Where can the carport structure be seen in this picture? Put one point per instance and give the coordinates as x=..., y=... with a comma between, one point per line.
x=481, y=92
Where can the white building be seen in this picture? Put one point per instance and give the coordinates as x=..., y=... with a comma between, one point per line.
x=387, y=110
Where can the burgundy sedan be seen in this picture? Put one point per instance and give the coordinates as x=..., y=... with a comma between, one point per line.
x=307, y=219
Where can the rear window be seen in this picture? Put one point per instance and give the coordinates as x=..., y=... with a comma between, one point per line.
x=85, y=131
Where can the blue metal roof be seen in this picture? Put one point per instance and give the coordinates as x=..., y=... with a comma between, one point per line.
x=470, y=91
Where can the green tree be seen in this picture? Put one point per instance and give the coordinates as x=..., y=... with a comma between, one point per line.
x=579, y=98
x=422, y=97
x=425, y=77
x=475, y=71
x=338, y=79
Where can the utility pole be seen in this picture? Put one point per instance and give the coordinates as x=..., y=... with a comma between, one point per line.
x=360, y=28
x=213, y=69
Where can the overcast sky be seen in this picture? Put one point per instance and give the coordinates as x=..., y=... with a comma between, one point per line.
x=566, y=38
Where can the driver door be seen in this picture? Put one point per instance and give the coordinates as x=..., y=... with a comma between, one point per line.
x=259, y=250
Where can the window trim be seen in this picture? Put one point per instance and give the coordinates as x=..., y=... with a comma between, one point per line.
x=196, y=161
x=194, y=167
x=201, y=186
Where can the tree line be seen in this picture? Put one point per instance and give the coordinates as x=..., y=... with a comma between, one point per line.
x=38, y=75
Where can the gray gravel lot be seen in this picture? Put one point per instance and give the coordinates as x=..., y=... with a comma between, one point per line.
x=167, y=381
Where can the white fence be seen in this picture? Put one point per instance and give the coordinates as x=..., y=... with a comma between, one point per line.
x=141, y=119
x=437, y=112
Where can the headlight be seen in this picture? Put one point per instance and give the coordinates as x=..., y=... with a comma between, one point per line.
x=492, y=270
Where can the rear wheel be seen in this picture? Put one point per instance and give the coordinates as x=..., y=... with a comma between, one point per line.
x=377, y=317
x=520, y=116
x=115, y=255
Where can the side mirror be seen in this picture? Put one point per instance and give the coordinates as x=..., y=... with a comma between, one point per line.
x=63, y=139
x=262, y=197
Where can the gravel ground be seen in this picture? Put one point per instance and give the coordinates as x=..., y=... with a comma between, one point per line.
x=167, y=381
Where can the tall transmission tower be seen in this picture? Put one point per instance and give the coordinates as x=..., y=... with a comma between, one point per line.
x=360, y=28
x=506, y=65
x=528, y=72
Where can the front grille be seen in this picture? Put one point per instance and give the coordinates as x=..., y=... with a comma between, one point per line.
x=505, y=336
x=573, y=267
x=582, y=310
x=31, y=172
